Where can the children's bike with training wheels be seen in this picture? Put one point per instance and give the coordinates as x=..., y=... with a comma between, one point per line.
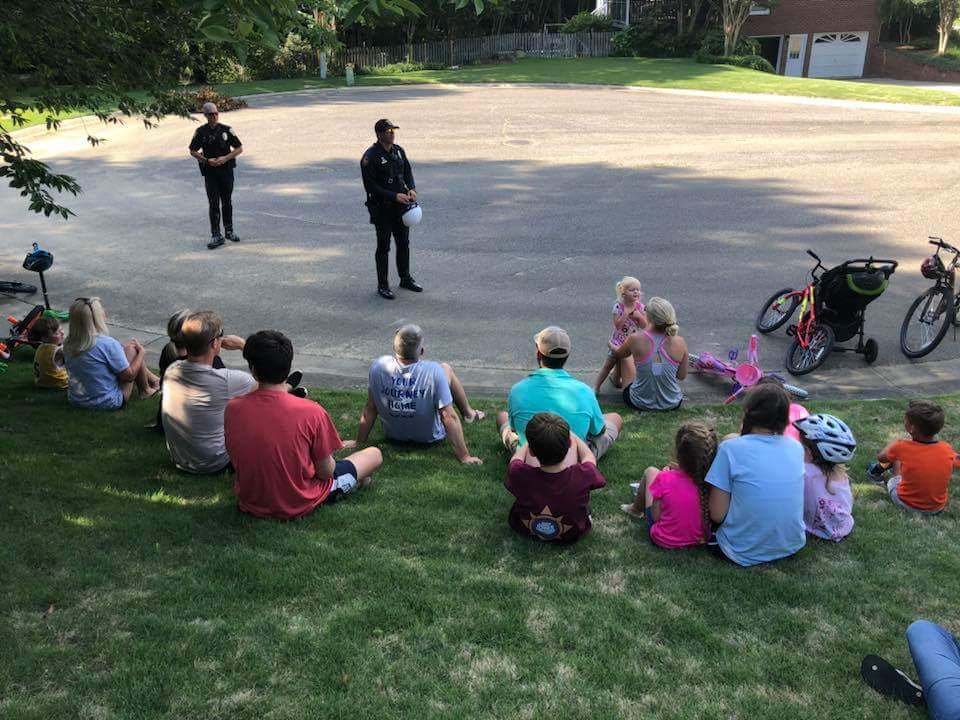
x=832, y=308
x=930, y=315
x=744, y=375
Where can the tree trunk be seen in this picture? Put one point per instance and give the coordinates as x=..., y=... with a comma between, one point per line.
x=694, y=14
x=735, y=14
x=948, y=13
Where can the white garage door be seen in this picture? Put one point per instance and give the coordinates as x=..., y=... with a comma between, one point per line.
x=838, y=55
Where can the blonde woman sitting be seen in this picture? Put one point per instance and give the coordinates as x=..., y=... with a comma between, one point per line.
x=103, y=373
x=660, y=357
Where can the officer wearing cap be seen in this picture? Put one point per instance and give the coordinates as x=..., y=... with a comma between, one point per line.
x=216, y=146
x=388, y=180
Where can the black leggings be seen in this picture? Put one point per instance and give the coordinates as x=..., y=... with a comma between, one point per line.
x=219, y=186
x=401, y=236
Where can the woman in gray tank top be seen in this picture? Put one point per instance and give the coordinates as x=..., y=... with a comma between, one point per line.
x=660, y=356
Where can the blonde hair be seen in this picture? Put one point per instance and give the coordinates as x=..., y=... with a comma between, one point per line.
x=662, y=316
x=87, y=320
x=626, y=280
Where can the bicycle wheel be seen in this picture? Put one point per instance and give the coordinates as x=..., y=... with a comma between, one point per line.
x=776, y=310
x=17, y=287
x=926, y=322
x=802, y=360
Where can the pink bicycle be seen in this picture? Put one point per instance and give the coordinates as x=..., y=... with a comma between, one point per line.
x=744, y=375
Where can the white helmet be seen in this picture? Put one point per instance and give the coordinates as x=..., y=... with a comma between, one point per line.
x=830, y=435
x=412, y=216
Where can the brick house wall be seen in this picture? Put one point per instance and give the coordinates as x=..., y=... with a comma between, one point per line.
x=818, y=16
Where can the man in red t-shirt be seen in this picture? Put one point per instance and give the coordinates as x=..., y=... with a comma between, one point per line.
x=551, y=487
x=281, y=446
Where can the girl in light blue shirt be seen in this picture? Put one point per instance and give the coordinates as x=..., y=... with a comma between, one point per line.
x=757, y=479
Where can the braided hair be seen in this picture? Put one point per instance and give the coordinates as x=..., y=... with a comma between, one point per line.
x=695, y=447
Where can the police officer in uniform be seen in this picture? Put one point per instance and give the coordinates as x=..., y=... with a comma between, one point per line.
x=388, y=180
x=216, y=146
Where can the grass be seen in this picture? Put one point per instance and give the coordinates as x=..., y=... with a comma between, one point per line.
x=134, y=591
x=634, y=72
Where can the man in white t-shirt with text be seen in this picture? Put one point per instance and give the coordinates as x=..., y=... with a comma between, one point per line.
x=415, y=398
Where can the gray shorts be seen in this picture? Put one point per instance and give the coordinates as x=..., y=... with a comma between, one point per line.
x=892, y=484
x=599, y=444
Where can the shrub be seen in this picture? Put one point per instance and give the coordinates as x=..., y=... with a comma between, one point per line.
x=295, y=58
x=754, y=62
x=587, y=22
x=403, y=67
x=224, y=103
x=650, y=38
x=713, y=43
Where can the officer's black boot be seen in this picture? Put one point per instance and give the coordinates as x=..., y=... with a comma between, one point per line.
x=216, y=240
x=230, y=235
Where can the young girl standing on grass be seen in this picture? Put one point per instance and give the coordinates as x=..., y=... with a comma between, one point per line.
x=628, y=317
x=827, y=500
x=675, y=500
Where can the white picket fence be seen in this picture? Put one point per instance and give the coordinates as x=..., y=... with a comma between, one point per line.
x=466, y=50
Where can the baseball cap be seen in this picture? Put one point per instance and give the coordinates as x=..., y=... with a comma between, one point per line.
x=383, y=125
x=553, y=342
x=209, y=107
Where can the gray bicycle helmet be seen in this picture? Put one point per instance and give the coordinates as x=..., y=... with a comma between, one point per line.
x=829, y=435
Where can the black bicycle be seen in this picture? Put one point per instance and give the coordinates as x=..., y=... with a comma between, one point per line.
x=933, y=312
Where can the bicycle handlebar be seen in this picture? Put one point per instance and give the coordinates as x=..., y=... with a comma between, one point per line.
x=812, y=254
x=938, y=242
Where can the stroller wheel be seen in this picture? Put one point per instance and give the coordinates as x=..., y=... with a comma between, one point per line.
x=802, y=360
x=870, y=351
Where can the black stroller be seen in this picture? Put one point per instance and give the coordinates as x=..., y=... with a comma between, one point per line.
x=832, y=310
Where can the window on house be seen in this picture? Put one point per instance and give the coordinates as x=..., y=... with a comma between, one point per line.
x=759, y=10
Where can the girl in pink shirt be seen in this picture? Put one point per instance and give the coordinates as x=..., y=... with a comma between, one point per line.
x=674, y=499
x=628, y=317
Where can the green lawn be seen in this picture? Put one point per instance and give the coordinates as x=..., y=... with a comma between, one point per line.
x=636, y=72
x=134, y=591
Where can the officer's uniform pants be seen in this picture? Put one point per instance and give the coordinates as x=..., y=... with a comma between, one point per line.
x=387, y=226
x=219, y=184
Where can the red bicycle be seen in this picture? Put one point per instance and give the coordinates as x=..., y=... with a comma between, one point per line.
x=832, y=309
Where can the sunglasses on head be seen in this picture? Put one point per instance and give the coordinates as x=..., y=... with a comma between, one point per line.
x=212, y=114
x=85, y=301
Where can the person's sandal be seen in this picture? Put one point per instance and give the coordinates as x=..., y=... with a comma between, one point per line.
x=887, y=680
x=477, y=416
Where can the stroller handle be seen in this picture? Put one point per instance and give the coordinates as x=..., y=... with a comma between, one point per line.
x=886, y=266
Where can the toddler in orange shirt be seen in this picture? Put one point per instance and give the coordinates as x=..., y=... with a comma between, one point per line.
x=921, y=466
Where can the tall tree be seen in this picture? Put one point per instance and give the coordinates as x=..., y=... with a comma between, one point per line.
x=948, y=15
x=90, y=56
x=734, y=14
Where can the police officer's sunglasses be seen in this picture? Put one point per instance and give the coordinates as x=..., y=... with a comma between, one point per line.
x=216, y=114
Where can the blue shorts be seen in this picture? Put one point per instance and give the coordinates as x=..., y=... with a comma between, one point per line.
x=344, y=480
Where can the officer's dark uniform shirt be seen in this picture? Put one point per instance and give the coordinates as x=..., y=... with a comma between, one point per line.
x=215, y=142
x=384, y=175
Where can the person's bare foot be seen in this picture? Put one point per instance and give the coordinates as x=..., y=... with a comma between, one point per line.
x=477, y=416
x=149, y=392
x=630, y=510
x=365, y=482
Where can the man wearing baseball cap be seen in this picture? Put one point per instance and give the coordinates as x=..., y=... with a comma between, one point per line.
x=388, y=181
x=552, y=389
x=216, y=146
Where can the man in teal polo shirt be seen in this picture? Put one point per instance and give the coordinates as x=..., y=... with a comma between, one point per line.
x=552, y=389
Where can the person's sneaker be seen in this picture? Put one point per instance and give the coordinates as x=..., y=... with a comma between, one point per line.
x=294, y=378
x=386, y=293
x=875, y=472
x=215, y=242
x=233, y=237
x=300, y=392
x=410, y=284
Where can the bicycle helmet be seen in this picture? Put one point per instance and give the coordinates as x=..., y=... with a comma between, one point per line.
x=830, y=436
x=38, y=260
x=413, y=215
x=931, y=267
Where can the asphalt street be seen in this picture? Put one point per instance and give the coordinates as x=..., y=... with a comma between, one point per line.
x=536, y=201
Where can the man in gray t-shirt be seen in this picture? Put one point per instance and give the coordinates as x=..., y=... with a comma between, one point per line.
x=414, y=398
x=195, y=395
